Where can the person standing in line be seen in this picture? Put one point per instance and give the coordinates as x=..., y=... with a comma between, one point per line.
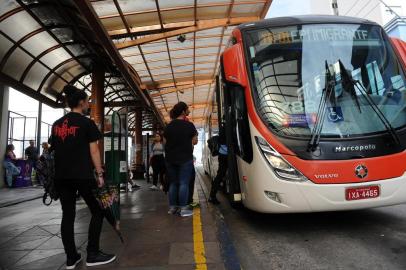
x=74, y=142
x=178, y=137
x=222, y=167
x=32, y=154
x=157, y=162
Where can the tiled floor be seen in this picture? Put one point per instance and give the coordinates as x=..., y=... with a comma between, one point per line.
x=30, y=239
x=10, y=196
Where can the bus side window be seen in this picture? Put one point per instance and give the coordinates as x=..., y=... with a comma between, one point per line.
x=240, y=123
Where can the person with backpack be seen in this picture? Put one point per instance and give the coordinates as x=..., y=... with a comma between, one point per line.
x=222, y=166
x=76, y=154
x=179, y=136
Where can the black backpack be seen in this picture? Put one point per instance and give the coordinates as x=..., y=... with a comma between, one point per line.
x=50, y=193
x=214, y=145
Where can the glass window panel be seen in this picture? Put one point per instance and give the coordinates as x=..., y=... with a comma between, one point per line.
x=182, y=53
x=207, y=42
x=17, y=63
x=158, y=63
x=247, y=10
x=104, y=8
x=204, y=72
x=137, y=5
x=207, y=50
x=35, y=76
x=143, y=19
x=183, y=61
x=70, y=71
x=134, y=59
x=39, y=43
x=18, y=25
x=188, y=43
x=206, y=13
x=163, y=77
x=58, y=85
x=145, y=79
x=131, y=51
x=152, y=56
x=55, y=57
x=205, y=2
x=5, y=45
x=161, y=71
x=180, y=15
x=206, y=58
x=114, y=23
x=210, y=32
x=205, y=66
x=7, y=5
x=181, y=69
x=154, y=47
x=183, y=74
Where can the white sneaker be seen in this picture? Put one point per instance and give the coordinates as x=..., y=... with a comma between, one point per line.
x=153, y=187
x=130, y=188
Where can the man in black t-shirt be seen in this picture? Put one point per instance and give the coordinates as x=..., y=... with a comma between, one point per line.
x=32, y=154
x=74, y=142
x=179, y=135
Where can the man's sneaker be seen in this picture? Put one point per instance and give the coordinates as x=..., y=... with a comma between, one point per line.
x=99, y=258
x=186, y=212
x=213, y=200
x=153, y=187
x=71, y=263
x=172, y=210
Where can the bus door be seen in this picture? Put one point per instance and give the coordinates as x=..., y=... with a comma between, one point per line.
x=234, y=118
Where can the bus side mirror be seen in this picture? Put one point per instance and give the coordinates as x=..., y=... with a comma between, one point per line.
x=233, y=63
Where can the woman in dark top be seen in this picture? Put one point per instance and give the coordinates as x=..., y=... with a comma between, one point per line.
x=179, y=137
x=157, y=161
x=74, y=142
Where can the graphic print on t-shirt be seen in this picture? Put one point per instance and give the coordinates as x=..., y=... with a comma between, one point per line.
x=65, y=130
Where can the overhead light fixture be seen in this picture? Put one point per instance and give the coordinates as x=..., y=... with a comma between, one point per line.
x=181, y=38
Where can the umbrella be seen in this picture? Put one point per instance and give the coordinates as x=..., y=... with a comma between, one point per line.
x=108, y=198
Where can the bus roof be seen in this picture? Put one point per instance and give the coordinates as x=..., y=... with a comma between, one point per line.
x=304, y=19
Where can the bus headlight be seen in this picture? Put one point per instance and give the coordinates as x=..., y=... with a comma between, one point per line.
x=281, y=167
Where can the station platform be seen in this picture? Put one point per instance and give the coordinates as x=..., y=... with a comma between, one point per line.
x=153, y=239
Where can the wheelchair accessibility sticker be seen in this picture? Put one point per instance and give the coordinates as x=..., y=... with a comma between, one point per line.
x=335, y=114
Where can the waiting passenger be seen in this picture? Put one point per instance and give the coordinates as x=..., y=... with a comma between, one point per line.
x=222, y=167
x=157, y=162
x=74, y=142
x=8, y=164
x=32, y=154
x=178, y=137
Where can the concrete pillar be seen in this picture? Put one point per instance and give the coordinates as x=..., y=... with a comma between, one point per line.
x=97, y=106
x=4, y=100
x=139, y=166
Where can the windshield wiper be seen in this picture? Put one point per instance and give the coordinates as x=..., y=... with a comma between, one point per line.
x=328, y=93
x=348, y=78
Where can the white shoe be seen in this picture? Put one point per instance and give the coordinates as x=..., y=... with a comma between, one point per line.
x=153, y=187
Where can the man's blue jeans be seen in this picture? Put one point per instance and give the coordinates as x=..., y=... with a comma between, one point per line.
x=179, y=177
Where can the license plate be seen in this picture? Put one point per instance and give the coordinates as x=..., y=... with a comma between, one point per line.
x=360, y=193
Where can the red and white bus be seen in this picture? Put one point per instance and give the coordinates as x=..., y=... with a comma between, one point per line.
x=314, y=109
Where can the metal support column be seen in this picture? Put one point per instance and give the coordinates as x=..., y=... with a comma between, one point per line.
x=139, y=166
x=39, y=121
x=4, y=100
x=97, y=107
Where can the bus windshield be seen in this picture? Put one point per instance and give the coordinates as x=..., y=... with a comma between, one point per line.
x=292, y=66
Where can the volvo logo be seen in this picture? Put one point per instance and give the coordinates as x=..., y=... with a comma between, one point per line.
x=361, y=171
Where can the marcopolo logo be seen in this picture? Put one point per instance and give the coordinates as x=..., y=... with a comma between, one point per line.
x=354, y=148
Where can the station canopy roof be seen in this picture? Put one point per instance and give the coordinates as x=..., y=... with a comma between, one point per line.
x=45, y=45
